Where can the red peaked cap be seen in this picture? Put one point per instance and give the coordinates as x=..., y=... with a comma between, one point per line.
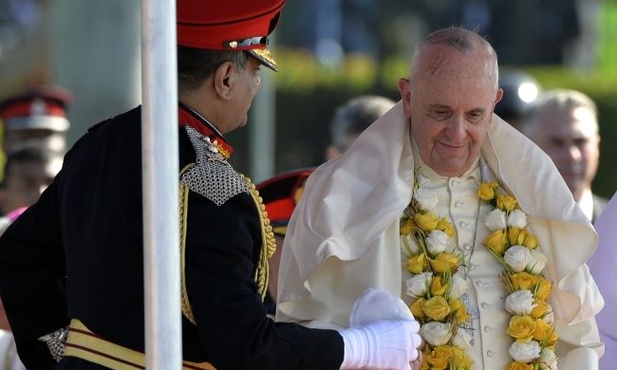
x=280, y=195
x=43, y=107
x=229, y=25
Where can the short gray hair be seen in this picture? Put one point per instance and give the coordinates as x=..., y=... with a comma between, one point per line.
x=560, y=100
x=354, y=116
x=196, y=65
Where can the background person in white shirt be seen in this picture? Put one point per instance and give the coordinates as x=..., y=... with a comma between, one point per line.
x=564, y=123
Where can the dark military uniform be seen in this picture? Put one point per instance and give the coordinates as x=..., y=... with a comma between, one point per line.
x=78, y=254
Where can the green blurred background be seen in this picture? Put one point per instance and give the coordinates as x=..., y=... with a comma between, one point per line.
x=307, y=94
x=92, y=48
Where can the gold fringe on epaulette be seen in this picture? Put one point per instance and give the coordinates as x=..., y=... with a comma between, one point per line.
x=268, y=244
x=262, y=274
x=184, y=201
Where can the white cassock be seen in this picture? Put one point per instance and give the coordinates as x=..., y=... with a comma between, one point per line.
x=344, y=238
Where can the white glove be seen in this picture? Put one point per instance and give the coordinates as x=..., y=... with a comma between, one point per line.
x=384, y=334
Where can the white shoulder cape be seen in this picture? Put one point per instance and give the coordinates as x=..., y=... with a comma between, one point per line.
x=351, y=206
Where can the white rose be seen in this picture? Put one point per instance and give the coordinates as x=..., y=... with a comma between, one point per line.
x=496, y=220
x=517, y=218
x=520, y=302
x=517, y=257
x=548, y=360
x=418, y=284
x=436, y=241
x=426, y=198
x=550, y=316
x=436, y=333
x=450, y=246
x=409, y=242
x=525, y=352
x=462, y=339
x=459, y=285
x=536, y=263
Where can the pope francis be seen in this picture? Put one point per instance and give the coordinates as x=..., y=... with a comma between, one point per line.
x=526, y=302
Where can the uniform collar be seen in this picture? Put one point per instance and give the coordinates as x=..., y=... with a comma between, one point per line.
x=188, y=117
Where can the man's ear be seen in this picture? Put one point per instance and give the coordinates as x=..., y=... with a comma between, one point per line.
x=224, y=80
x=405, y=91
x=498, y=96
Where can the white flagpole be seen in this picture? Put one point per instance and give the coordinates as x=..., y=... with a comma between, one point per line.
x=160, y=186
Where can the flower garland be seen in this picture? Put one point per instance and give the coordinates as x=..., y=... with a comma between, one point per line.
x=436, y=282
x=516, y=249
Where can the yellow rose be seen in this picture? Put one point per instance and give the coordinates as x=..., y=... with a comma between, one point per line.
x=506, y=203
x=437, y=286
x=408, y=226
x=416, y=308
x=445, y=226
x=444, y=262
x=553, y=340
x=415, y=264
x=519, y=366
x=522, y=327
x=542, y=288
x=486, y=191
x=531, y=241
x=496, y=242
x=540, y=309
x=525, y=238
x=426, y=221
x=543, y=332
x=457, y=307
x=439, y=357
x=436, y=308
x=516, y=236
x=460, y=360
x=522, y=280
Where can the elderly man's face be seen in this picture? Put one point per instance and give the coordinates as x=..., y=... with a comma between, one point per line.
x=244, y=84
x=571, y=139
x=450, y=102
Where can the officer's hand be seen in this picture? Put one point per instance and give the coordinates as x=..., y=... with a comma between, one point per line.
x=383, y=334
x=381, y=345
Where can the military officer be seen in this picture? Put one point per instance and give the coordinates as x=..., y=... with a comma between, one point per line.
x=75, y=258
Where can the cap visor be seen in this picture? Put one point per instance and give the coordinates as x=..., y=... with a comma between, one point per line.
x=264, y=57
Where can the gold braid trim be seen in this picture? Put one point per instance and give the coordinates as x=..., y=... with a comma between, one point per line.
x=83, y=343
x=262, y=274
x=268, y=244
x=184, y=202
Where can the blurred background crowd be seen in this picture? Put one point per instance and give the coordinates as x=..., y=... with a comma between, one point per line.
x=328, y=52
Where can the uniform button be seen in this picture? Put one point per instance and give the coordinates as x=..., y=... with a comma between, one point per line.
x=459, y=203
x=485, y=305
x=488, y=329
x=464, y=224
x=490, y=353
x=481, y=284
x=467, y=247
